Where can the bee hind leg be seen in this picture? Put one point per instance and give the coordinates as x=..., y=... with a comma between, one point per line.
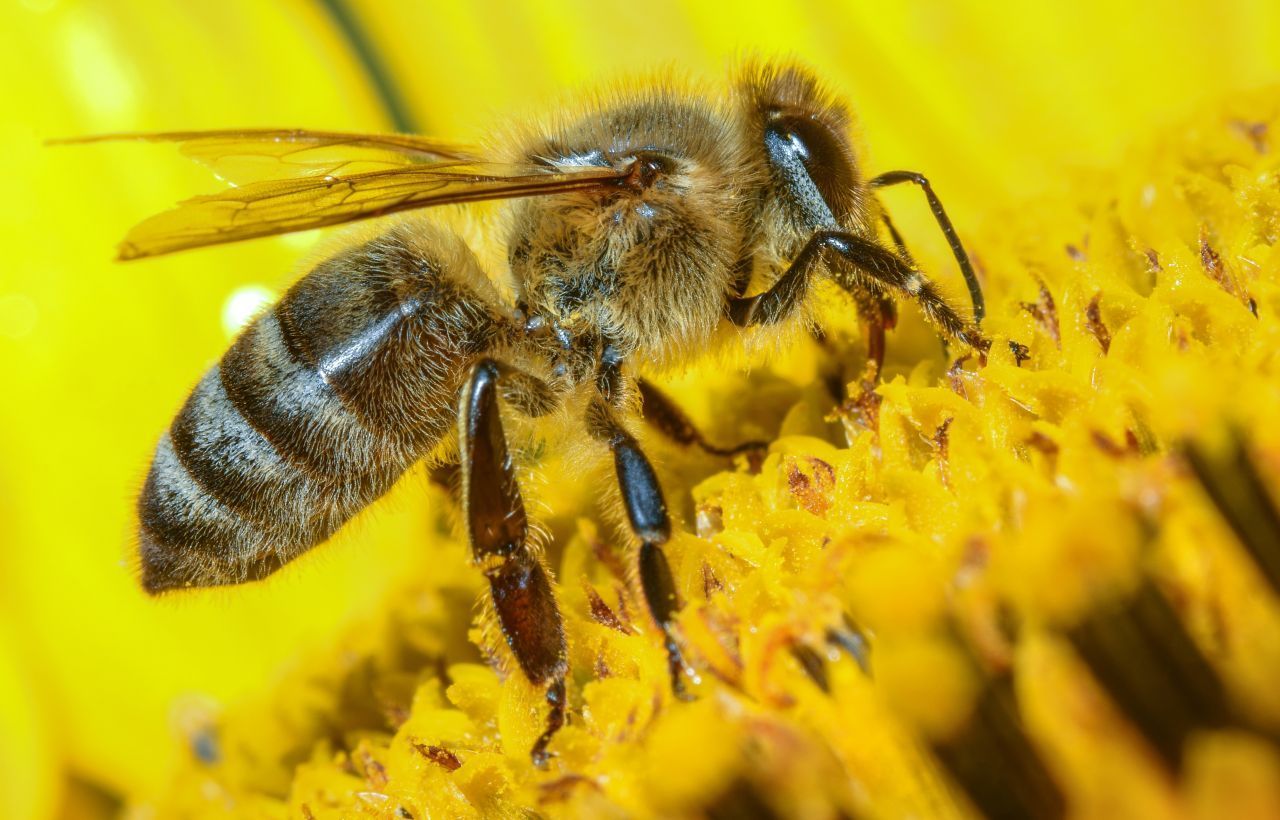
x=647, y=515
x=528, y=394
x=498, y=529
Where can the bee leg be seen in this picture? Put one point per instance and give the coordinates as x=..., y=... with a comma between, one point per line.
x=667, y=418
x=878, y=269
x=878, y=314
x=647, y=515
x=525, y=392
x=948, y=230
x=878, y=323
x=528, y=394
x=498, y=529
x=859, y=263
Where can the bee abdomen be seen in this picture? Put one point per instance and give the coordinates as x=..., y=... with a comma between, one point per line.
x=228, y=459
x=188, y=536
x=314, y=412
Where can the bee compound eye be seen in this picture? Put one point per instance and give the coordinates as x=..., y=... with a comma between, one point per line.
x=824, y=153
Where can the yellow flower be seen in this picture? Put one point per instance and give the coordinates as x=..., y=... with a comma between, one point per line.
x=1041, y=491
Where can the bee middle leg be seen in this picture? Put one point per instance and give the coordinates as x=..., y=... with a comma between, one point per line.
x=647, y=515
x=498, y=530
x=667, y=418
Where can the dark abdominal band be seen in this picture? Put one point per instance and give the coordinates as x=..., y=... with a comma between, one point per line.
x=314, y=412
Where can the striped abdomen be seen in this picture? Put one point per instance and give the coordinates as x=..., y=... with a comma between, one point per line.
x=314, y=412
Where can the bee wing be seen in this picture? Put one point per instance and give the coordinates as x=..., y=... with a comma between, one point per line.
x=283, y=206
x=246, y=155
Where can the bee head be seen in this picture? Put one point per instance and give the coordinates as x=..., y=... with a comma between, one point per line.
x=801, y=137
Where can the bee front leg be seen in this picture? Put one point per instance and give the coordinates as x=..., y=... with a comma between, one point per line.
x=647, y=515
x=879, y=314
x=498, y=530
x=854, y=263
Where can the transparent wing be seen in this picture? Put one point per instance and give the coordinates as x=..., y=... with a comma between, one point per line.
x=283, y=206
x=246, y=155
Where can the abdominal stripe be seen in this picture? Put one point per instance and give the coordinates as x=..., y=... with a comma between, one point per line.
x=230, y=459
x=293, y=409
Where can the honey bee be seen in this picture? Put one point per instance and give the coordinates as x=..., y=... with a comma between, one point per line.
x=633, y=233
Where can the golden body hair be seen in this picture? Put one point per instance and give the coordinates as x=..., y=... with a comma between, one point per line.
x=634, y=233
x=324, y=401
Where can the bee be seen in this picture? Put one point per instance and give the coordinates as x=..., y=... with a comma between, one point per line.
x=634, y=233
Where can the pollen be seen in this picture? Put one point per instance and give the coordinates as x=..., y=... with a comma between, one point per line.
x=1038, y=582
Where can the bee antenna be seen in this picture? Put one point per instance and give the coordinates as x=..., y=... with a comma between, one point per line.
x=948, y=230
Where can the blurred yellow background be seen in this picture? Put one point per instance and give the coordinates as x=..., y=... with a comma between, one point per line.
x=995, y=102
